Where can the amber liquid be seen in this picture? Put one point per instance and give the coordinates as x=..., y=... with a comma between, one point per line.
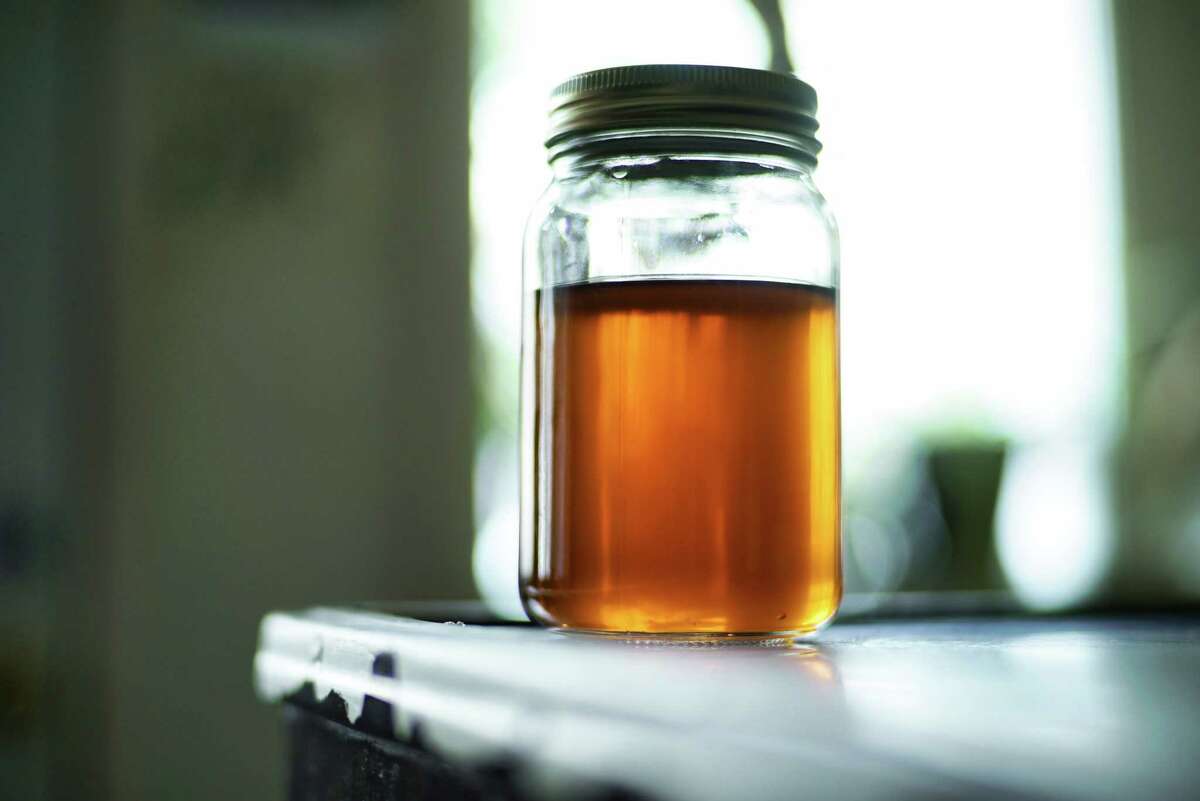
x=686, y=439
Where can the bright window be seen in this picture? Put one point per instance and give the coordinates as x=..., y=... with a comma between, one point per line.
x=971, y=160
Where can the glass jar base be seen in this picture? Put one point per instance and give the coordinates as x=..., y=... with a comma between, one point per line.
x=699, y=639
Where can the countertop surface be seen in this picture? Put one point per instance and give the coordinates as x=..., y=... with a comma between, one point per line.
x=1077, y=707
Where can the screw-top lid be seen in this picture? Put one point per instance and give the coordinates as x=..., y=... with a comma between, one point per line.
x=664, y=108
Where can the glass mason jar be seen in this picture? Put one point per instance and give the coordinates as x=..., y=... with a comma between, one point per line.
x=680, y=461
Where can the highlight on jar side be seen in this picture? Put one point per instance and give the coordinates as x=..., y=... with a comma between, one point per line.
x=681, y=469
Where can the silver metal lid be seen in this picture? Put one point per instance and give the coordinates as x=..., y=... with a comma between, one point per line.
x=664, y=108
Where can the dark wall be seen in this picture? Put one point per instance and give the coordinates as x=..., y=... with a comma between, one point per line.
x=1158, y=77
x=236, y=362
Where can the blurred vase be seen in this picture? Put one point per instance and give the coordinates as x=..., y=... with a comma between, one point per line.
x=966, y=477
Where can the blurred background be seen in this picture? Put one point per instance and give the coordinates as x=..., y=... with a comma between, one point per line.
x=259, y=301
